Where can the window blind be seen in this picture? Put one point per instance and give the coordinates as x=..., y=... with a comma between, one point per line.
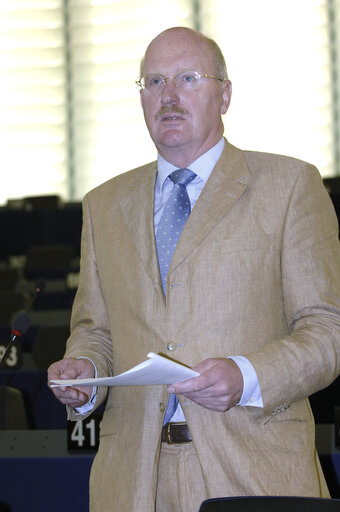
x=107, y=41
x=32, y=99
x=334, y=41
x=278, y=55
x=70, y=112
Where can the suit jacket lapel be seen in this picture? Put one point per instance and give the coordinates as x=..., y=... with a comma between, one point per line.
x=225, y=186
x=138, y=213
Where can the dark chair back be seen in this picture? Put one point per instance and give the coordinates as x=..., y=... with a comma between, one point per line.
x=270, y=504
x=48, y=261
x=13, y=411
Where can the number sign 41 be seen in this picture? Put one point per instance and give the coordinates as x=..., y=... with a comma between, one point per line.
x=83, y=435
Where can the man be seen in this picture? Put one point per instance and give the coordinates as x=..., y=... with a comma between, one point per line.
x=255, y=275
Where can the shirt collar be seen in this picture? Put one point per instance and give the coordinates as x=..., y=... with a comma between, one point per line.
x=202, y=166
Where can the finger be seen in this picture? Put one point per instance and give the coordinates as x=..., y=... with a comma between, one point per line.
x=206, y=365
x=72, y=403
x=196, y=384
x=53, y=372
x=215, y=403
x=72, y=372
x=56, y=370
x=71, y=396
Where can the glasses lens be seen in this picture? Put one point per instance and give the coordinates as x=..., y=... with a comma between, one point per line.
x=187, y=79
x=152, y=82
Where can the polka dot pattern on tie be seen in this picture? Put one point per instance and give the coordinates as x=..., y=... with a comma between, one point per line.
x=173, y=219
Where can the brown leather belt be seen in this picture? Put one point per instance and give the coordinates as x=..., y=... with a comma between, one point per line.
x=175, y=433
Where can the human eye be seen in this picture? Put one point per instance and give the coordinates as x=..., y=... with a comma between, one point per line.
x=153, y=81
x=188, y=78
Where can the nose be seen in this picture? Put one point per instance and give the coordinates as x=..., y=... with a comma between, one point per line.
x=169, y=92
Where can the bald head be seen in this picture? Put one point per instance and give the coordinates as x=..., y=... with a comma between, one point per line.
x=184, y=119
x=181, y=36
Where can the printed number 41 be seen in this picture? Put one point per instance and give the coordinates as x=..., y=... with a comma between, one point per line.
x=78, y=436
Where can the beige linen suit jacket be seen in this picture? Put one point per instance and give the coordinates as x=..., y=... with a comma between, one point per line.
x=256, y=273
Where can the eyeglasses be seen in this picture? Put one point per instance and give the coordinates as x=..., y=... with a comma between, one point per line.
x=187, y=80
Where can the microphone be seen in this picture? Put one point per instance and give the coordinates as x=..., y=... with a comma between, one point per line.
x=20, y=325
x=22, y=320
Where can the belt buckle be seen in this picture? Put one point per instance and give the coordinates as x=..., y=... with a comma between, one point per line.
x=168, y=434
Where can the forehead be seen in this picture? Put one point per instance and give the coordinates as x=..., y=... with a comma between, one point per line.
x=178, y=51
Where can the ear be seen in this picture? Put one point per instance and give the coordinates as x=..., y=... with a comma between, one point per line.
x=226, y=96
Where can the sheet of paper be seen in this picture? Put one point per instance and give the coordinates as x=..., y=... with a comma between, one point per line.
x=155, y=370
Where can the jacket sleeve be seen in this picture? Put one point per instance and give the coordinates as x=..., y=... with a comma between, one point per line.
x=307, y=360
x=90, y=328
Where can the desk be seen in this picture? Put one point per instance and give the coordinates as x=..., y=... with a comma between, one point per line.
x=45, y=484
x=39, y=475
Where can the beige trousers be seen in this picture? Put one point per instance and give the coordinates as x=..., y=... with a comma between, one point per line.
x=180, y=486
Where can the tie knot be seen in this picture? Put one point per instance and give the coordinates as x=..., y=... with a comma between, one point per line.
x=182, y=176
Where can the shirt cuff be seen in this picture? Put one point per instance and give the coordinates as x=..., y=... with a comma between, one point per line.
x=251, y=395
x=84, y=409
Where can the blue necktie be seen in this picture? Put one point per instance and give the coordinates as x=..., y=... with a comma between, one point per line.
x=173, y=219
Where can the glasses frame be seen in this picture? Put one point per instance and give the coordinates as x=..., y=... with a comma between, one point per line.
x=165, y=78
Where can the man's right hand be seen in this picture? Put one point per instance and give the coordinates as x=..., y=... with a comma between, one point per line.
x=71, y=368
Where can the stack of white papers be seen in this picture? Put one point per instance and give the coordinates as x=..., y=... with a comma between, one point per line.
x=155, y=370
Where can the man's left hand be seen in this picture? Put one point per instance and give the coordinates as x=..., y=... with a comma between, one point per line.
x=219, y=387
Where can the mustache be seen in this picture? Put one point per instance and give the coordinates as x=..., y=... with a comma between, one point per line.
x=173, y=109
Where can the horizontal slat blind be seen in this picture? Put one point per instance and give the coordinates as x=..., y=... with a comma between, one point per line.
x=108, y=39
x=32, y=99
x=279, y=62
x=70, y=112
x=334, y=37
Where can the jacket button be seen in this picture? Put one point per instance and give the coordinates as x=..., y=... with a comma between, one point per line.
x=171, y=346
